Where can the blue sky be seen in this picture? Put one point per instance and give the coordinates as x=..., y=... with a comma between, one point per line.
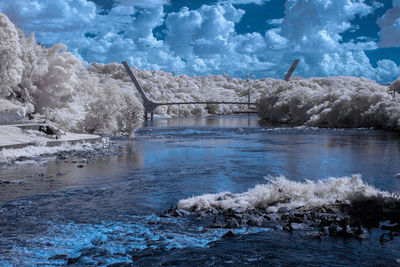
x=194, y=37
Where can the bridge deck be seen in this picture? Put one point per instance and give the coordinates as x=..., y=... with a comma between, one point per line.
x=149, y=105
x=207, y=103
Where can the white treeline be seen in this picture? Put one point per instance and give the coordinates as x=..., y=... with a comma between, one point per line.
x=282, y=192
x=56, y=85
x=166, y=87
x=332, y=102
x=322, y=102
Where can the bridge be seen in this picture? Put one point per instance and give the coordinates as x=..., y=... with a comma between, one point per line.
x=150, y=106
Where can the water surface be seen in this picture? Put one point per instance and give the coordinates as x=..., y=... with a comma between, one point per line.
x=102, y=212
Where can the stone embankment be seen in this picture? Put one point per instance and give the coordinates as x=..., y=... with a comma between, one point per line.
x=17, y=131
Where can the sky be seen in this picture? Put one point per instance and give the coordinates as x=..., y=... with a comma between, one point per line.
x=235, y=37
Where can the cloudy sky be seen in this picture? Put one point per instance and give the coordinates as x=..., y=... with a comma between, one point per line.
x=198, y=37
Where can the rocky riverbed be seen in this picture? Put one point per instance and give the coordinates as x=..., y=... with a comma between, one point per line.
x=349, y=220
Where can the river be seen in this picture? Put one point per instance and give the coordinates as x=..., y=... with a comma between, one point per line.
x=105, y=210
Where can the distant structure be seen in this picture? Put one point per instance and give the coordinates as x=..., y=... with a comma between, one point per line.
x=150, y=106
x=291, y=70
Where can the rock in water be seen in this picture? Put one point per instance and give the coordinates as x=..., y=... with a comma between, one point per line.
x=183, y=212
x=335, y=229
x=283, y=210
x=228, y=234
x=59, y=257
x=298, y=226
x=73, y=260
x=232, y=223
x=255, y=221
x=176, y=213
x=273, y=217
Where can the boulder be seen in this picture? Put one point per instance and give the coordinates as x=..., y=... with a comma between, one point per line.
x=273, y=217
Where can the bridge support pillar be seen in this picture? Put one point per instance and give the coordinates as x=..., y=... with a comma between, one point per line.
x=152, y=116
x=248, y=99
x=291, y=70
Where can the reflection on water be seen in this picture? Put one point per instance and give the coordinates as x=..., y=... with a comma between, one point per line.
x=171, y=159
x=210, y=121
x=180, y=157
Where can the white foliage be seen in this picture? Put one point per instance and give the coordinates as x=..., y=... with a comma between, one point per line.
x=331, y=102
x=11, y=67
x=57, y=85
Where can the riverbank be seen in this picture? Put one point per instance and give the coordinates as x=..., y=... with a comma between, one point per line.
x=26, y=139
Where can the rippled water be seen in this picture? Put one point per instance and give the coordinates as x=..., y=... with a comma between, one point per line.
x=108, y=210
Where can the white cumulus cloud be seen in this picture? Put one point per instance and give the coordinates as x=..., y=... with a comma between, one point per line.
x=314, y=32
x=390, y=26
x=205, y=40
x=49, y=15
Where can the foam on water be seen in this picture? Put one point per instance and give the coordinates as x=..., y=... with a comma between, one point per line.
x=112, y=241
x=282, y=192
